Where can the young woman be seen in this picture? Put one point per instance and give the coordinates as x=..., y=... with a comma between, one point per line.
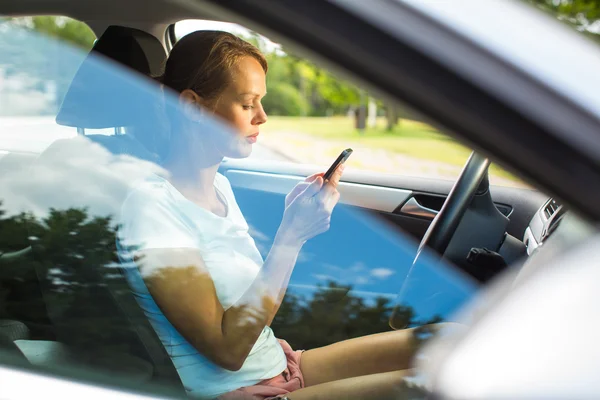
x=197, y=273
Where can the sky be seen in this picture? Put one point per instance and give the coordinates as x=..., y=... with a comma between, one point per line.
x=182, y=28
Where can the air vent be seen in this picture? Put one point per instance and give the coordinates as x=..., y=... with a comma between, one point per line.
x=551, y=208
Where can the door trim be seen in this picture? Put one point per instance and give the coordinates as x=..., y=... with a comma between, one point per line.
x=378, y=198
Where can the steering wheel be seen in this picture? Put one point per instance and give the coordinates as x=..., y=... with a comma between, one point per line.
x=473, y=179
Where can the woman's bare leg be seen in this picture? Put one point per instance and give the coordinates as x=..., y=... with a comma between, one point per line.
x=387, y=385
x=373, y=354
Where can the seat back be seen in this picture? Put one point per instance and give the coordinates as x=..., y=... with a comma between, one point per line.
x=88, y=299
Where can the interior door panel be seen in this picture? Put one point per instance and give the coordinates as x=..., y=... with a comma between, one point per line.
x=374, y=234
x=409, y=203
x=377, y=198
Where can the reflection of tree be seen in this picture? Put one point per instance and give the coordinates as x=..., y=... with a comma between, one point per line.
x=71, y=262
x=13, y=232
x=20, y=296
x=73, y=259
x=73, y=256
x=330, y=316
x=334, y=314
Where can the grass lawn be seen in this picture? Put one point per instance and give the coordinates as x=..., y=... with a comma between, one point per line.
x=410, y=138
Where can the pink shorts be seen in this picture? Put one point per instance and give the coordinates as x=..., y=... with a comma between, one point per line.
x=289, y=380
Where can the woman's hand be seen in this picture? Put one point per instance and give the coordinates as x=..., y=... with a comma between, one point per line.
x=309, y=205
x=301, y=187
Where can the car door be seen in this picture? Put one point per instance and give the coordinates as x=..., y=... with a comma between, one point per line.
x=369, y=249
x=407, y=203
x=363, y=251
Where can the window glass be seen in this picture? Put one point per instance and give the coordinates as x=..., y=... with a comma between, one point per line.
x=74, y=286
x=62, y=308
x=37, y=88
x=35, y=74
x=313, y=114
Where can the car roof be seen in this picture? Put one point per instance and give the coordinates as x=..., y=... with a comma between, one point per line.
x=152, y=16
x=148, y=11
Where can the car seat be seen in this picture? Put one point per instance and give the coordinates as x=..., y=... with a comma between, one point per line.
x=94, y=313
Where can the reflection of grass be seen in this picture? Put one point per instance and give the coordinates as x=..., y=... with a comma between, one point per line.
x=410, y=138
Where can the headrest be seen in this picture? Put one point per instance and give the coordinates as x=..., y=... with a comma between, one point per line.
x=124, y=144
x=104, y=93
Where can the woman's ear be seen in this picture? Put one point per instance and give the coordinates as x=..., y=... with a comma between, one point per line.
x=192, y=104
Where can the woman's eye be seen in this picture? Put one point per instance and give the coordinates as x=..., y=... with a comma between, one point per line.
x=248, y=107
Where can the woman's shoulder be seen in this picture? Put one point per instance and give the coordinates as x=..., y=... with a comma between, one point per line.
x=154, y=186
x=152, y=217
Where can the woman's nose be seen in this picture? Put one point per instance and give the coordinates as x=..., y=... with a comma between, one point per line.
x=261, y=117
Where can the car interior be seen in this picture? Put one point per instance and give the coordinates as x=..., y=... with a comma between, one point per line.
x=450, y=218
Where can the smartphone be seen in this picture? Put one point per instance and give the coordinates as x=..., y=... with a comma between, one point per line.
x=340, y=160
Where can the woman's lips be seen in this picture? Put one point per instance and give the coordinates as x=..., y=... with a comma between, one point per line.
x=252, y=138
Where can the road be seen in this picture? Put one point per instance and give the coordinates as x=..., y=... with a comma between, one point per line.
x=261, y=152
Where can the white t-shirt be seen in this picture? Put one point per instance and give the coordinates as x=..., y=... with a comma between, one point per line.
x=156, y=215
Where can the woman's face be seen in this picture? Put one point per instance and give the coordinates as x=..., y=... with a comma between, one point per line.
x=240, y=105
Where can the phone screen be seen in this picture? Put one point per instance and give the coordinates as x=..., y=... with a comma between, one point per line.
x=340, y=160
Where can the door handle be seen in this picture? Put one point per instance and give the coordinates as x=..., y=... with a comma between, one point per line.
x=413, y=208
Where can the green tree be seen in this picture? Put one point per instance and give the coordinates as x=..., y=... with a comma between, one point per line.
x=284, y=99
x=338, y=94
x=583, y=15
x=65, y=29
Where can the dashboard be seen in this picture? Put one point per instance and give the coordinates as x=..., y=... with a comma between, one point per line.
x=543, y=224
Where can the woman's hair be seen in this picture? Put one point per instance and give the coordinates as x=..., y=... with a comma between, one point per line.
x=201, y=61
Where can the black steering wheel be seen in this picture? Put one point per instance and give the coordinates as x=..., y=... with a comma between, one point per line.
x=472, y=180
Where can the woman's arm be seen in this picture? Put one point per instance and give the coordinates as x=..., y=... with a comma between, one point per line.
x=183, y=289
x=291, y=256
x=330, y=185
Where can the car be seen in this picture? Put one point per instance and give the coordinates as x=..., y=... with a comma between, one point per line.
x=402, y=250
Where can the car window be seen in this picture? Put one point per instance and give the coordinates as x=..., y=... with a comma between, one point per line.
x=57, y=211
x=313, y=113
x=76, y=150
x=33, y=82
